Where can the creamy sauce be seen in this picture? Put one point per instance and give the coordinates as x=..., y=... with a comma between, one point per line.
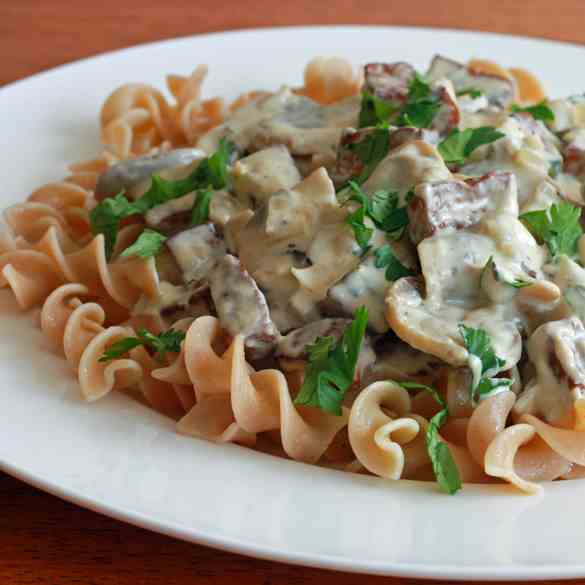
x=279, y=264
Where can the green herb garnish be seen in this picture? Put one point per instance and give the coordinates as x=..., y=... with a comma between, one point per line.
x=540, y=111
x=331, y=367
x=385, y=258
x=160, y=344
x=444, y=465
x=472, y=92
x=484, y=363
x=421, y=105
x=375, y=110
x=558, y=227
x=210, y=173
x=371, y=150
x=459, y=145
x=148, y=244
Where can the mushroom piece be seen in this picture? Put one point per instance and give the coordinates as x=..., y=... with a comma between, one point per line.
x=257, y=176
x=500, y=91
x=400, y=362
x=349, y=164
x=127, y=174
x=433, y=328
x=241, y=307
x=557, y=350
x=406, y=166
x=569, y=113
x=574, y=154
x=305, y=127
x=196, y=250
x=388, y=81
x=174, y=216
x=448, y=206
x=277, y=239
x=175, y=302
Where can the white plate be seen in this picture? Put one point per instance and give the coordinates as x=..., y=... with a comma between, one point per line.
x=124, y=460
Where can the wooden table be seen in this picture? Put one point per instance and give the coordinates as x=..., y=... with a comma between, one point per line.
x=46, y=541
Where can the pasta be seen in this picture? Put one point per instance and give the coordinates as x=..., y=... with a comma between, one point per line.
x=379, y=272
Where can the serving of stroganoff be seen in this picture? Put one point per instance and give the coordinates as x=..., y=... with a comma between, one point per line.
x=379, y=272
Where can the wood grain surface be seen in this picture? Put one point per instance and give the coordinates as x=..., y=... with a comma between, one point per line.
x=44, y=540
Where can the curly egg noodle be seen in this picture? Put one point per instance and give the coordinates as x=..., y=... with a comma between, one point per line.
x=277, y=267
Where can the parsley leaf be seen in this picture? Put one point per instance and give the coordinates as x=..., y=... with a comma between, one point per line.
x=472, y=92
x=200, y=210
x=558, y=227
x=458, y=145
x=148, y=244
x=421, y=105
x=375, y=110
x=484, y=363
x=385, y=258
x=363, y=234
x=331, y=367
x=210, y=173
x=105, y=219
x=160, y=344
x=382, y=208
x=444, y=466
x=371, y=150
x=540, y=111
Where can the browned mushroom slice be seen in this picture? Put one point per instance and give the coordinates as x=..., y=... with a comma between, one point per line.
x=196, y=250
x=500, y=91
x=574, y=153
x=454, y=205
x=388, y=81
x=241, y=306
x=448, y=115
x=557, y=350
x=126, y=174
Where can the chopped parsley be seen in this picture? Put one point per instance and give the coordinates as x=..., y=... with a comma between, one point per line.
x=331, y=367
x=558, y=227
x=148, y=244
x=160, y=344
x=362, y=233
x=385, y=258
x=484, y=364
x=419, y=110
x=211, y=173
x=472, y=92
x=371, y=150
x=459, y=145
x=444, y=465
x=491, y=266
x=421, y=106
x=375, y=110
x=540, y=111
x=382, y=208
